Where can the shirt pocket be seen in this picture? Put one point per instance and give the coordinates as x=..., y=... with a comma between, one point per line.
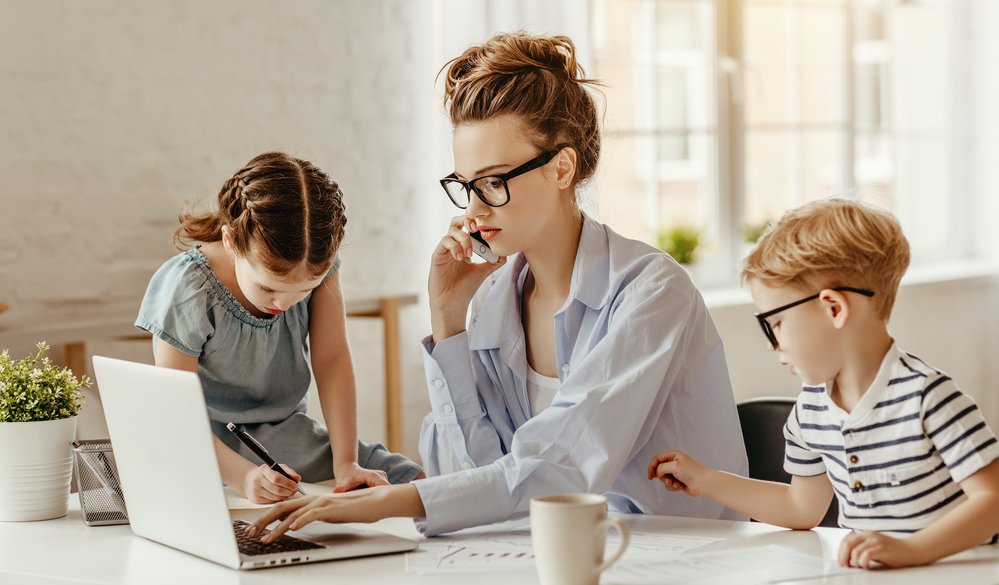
x=903, y=490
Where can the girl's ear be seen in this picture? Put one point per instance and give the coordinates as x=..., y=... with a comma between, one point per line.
x=565, y=167
x=836, y=306
x=227, y=242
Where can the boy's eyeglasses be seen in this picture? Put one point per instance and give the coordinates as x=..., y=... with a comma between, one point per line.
x=491, y=189
x=768, y=330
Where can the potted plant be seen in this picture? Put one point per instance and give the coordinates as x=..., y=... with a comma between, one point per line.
x=38, y=411
x=751, y=232
x=681, y=242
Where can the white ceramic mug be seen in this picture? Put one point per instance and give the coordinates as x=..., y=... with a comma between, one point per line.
x=568, y=533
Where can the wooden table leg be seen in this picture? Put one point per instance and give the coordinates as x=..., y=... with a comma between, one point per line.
x=393, y=375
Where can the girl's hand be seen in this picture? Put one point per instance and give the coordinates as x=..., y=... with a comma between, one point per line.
x=353, y=476
x=454, y=278
x=678, y=472
x=863, y=549
x=263, y=485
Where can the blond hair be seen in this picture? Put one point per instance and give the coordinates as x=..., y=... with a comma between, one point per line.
x=829, y=243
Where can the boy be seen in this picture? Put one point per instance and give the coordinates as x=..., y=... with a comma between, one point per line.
x=893, y=438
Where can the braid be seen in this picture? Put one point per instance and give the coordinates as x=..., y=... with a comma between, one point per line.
x=282, y=210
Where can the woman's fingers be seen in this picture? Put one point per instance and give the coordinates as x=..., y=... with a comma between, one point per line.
x=458, y=243
x=279, y=511
x=294, y=520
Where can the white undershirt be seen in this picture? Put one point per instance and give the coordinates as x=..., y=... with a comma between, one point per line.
x=540, y=390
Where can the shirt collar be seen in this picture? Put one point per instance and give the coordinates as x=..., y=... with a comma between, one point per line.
x=498, y=322
x=879, y=386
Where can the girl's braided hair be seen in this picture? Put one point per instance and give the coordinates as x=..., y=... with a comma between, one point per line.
x=282, y=211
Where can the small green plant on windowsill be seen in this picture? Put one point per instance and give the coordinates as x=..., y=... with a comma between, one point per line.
x=681, y=242
x=32, y=393
x=752, y=231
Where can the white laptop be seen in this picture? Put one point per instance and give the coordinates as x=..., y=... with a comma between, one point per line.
x=170, y=476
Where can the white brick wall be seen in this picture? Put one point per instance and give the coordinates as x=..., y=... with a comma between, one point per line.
x=113, y=113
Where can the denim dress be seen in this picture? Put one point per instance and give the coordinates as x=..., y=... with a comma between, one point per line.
x=255, y=371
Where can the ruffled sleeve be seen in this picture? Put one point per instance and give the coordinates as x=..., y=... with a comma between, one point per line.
x=177, y=305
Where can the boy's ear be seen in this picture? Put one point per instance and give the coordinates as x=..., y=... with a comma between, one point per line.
x=836, y=306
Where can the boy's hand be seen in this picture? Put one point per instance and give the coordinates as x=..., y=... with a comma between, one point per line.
x=863, y=549
x=350, y=477
x=263, y=485
x=678, y=472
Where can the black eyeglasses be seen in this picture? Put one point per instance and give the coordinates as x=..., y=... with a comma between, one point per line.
x=491, y=189
x=768, y=330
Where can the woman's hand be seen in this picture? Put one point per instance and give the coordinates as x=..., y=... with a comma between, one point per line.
x=370, y=505
x=454, y=278
x=263, y=485
x=352, y=476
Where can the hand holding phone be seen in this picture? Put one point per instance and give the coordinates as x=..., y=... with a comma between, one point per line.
x=480, y=247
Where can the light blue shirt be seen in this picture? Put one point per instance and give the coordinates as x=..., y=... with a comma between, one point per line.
x=642, y=371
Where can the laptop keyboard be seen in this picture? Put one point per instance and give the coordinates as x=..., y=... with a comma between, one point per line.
x=284, y=543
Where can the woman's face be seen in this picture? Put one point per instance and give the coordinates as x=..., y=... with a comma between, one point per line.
x=497, y=146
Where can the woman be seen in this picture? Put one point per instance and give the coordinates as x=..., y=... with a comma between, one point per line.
x=585, y=355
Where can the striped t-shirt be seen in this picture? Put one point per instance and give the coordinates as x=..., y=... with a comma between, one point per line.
x=896, y=460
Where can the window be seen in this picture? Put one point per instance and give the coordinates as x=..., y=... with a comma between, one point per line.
x=722, y=114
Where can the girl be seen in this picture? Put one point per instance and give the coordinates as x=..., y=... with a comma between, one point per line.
x=238, y=309
x=585, y=352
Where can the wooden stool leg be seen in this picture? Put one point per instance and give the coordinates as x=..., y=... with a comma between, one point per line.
x=393, y=375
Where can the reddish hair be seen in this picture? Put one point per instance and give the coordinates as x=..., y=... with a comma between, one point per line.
x=282, y=211
x=535, y=79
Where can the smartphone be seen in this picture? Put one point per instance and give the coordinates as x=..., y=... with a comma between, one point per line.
x=480, y=247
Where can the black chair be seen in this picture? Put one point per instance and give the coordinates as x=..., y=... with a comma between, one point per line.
x=763, y=431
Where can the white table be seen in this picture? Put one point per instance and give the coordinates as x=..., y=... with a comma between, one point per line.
x=67, y=551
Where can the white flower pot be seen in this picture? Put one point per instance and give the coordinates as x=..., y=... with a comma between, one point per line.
x=36, y=467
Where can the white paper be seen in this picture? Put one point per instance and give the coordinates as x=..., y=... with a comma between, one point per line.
x=656, y=546
x=424, y=559
x=479, y=551
x=463, y=558
x=747, y=566
x=511, y=549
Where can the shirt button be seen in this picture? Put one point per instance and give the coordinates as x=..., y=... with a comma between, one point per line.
x=854, y=459
x=447, y=408
x=466, y=465
x=438, y=383
x=565, y=368
x=857, y=485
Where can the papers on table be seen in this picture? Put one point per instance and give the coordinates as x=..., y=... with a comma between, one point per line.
x=650, y=558
x=484, y=551
x=511, y=549
x=747, y=566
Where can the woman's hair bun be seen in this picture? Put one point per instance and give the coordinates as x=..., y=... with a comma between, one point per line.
x=515, y=53
x=537, y=79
